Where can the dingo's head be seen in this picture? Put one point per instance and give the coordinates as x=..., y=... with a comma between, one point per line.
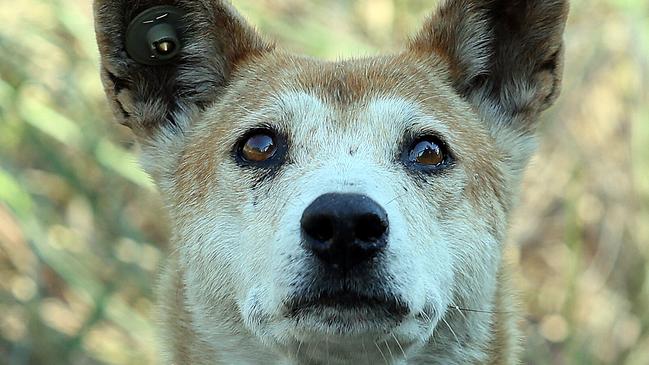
x=350, y=201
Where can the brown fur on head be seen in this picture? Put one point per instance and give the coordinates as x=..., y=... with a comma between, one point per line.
x=472, y=81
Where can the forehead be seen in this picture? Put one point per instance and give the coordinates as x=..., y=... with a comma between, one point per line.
x=400, y=90
x=350, y=83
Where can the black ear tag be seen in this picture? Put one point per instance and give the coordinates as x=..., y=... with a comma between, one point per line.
x=154, y=37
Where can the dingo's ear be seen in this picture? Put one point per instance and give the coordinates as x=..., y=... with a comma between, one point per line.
x=192, y=55
x=504, y=56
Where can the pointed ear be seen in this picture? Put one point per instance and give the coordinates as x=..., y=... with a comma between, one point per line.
x=504, y=56
x=159, y=96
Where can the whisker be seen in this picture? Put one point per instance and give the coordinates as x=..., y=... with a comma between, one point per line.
x=389, y=349
x=395, y=198
x=381, y=352
x=400, y=347
x=297, y=353
x=480, y=311
x=453, y=332
x=461, y=313
x=426, y=316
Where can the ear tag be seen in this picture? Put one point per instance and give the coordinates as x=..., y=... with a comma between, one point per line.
x=154, y=37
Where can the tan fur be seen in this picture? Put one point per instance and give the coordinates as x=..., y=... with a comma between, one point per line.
x=477, y=76
x=505, y=346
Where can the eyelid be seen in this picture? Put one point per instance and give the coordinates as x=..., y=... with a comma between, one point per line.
x=413, y=134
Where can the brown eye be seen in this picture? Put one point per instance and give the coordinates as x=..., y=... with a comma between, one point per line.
x=427, y=153
x=259, y=147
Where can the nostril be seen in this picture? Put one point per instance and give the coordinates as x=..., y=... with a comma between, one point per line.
x=320, y=228
x=370, y=227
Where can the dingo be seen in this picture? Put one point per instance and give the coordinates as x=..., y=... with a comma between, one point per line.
x=348, y=212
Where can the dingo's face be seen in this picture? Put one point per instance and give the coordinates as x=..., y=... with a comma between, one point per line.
x=338, y=201
x=348, y=203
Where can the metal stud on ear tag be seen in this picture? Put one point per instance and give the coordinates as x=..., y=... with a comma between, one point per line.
x=154, y=37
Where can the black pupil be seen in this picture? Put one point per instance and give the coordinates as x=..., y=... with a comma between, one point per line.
x=427, y=152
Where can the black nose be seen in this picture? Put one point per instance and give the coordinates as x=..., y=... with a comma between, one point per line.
x=345, y=230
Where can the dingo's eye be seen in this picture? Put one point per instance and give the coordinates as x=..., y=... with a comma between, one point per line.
x=427, y=153
x=260, y=147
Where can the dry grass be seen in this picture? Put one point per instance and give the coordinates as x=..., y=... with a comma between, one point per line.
x=81, y=238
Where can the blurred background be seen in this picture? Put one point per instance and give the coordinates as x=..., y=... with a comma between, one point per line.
x=81, y=234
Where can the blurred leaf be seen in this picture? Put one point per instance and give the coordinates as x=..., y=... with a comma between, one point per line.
x=11, y=192
x=123, y=163
x=50, y=122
